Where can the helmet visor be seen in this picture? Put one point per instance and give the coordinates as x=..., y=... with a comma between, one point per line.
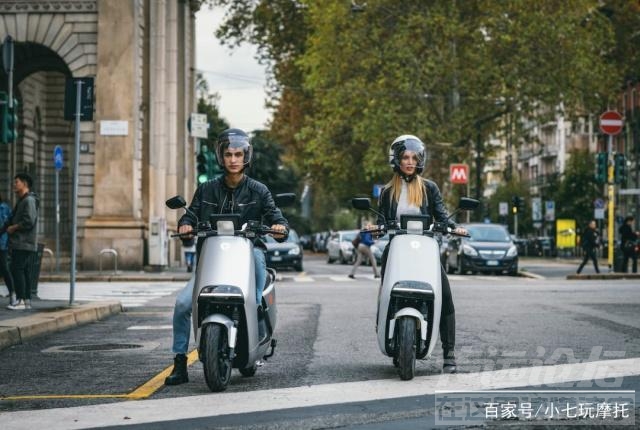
x=238, y=142
x=415, y=146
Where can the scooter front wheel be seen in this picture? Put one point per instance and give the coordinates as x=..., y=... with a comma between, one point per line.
x=216, y=363
x=406, y=348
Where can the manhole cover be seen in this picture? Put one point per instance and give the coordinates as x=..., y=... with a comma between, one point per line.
x=100, y=347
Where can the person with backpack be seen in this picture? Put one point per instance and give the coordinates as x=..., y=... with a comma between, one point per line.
x=363, y=249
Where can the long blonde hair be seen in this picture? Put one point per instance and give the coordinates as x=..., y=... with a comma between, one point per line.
x=415, y=189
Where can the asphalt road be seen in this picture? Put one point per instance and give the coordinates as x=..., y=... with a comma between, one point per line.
x=327, y=344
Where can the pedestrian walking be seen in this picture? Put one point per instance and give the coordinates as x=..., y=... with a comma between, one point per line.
x=590, y=243
x=5, y=216
x=364, y=251
x=628, y=244
x=23, y=231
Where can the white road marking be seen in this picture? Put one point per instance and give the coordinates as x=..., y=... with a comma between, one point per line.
x=148, y=411
x=150, y=327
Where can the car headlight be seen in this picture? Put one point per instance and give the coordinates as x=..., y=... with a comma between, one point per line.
x=294, y=251
x=469, y=250
x=512, y=252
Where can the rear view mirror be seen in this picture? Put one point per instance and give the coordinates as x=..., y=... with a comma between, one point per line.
x=285, y=199
x=468, y=204
x=361, y=203
x=176, y=202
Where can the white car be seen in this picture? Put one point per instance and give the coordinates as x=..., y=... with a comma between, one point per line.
x=339, y=246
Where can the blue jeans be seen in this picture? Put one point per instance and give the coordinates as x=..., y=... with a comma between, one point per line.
x=182, y=309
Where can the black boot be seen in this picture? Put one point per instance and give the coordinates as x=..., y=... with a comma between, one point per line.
x=448, y=338
x=179, y=374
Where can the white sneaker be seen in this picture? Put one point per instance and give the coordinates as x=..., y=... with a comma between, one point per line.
x=20, y=306
x=27, y=304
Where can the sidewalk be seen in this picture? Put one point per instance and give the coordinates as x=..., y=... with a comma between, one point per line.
x=49, y=316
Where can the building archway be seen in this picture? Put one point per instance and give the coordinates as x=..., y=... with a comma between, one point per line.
x=38, y=85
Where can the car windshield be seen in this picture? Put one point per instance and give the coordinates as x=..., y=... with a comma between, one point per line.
x=488, y=233
x=293, y=238
x=348, y=236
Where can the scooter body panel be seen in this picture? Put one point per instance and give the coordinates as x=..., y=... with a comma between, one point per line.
x=412, y=259
x=229, y=261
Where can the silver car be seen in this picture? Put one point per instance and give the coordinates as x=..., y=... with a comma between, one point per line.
x=339, y=246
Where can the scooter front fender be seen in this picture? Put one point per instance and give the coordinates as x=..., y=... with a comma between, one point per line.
x=223, y=320
x=409, y=312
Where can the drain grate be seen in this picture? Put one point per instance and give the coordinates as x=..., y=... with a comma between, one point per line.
x=100, y=347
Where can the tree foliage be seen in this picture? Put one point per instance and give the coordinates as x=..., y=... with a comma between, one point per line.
x=345, y=80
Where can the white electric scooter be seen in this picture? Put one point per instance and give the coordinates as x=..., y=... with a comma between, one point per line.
x=410, y=296
x=225, y=314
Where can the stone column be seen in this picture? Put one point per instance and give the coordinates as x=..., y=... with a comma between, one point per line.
x=115, y=222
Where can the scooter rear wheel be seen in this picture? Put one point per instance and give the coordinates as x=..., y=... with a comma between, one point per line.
x=406, y=350
x=216, y=363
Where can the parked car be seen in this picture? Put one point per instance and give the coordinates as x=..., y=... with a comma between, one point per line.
x=378, y=247
x=284, y=254
x=339, y=246
x=319, y=241
x=444, y=244
x=521, y=243
x=489, y=249
x=305, y=241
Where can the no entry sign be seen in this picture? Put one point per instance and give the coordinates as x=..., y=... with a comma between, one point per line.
x=611, y=122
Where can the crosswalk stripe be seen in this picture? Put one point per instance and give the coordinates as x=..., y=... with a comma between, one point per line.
x=191, y=407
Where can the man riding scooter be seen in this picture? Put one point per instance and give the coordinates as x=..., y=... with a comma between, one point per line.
x=233, y=192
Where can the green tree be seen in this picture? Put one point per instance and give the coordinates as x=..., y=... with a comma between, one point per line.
x=505, y=193
x=577, y=190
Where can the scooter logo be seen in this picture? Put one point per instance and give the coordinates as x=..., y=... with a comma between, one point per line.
x=415, y=244
x=224, y=246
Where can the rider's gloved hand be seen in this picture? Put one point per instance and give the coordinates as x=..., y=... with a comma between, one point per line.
x=185, y=228
x=281, y=228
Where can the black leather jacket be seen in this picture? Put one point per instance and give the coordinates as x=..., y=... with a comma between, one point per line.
x=251, y=199
x=432, y=204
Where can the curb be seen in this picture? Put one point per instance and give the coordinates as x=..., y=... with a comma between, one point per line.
x=609, y=276
x=17, y=330
x=117, y=278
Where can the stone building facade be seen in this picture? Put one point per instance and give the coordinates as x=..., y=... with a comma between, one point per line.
x=141, y=54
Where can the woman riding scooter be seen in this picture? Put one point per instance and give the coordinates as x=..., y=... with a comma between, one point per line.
x=409, y=194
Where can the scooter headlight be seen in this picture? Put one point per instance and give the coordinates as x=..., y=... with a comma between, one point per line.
x=512, y=252
x=469, y=250
x=222, y=291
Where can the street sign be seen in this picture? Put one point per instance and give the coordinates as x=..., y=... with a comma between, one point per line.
x=86, y=99
x=377, y=189
x=536, y=209
x=549, y=210
x=198, y=125
x=503, y=208
x=598, y=213
x=611, y=122
x=57, y=158
x=459, y=173
x=7, y=54
x=598, y=204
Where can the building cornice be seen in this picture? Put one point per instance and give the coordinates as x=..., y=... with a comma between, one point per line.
x=48, y=6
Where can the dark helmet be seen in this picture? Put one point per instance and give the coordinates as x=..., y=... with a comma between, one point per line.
x=407, y=142
x=234, y=138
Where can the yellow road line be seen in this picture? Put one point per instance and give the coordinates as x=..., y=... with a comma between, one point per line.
x=142, y=392
x=151, y=386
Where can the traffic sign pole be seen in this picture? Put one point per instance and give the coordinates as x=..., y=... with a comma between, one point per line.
x=611, y=123
x=57, y=162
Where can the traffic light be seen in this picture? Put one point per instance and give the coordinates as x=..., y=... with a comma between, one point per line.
x=206, y=164
x=601, y=167
x=517, y=203
x=8, y=119
x=202, y=164
x=620, y=168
